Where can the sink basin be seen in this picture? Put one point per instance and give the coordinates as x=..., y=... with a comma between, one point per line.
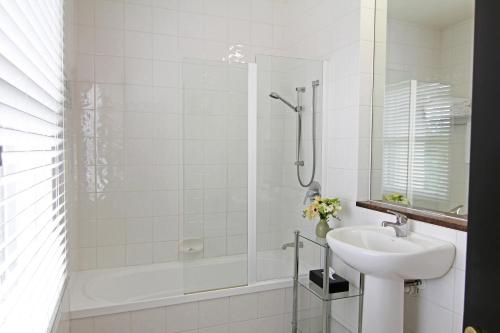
x=378, y=252
x=386, y=261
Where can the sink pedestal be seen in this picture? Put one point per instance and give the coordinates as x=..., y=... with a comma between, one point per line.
x=383, y=305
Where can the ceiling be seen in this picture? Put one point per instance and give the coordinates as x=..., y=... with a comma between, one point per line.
x=438, y=13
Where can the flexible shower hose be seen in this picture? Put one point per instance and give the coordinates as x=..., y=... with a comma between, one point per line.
x=313, y=140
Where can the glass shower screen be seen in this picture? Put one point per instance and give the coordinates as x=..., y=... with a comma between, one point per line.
x=214, y=204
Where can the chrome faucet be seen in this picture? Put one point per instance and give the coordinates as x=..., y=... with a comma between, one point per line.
x=456, y=210
x=313, y=191
x=400, y=226
x=292, y=244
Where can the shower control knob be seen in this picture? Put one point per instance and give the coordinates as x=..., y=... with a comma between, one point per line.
x=470, y=329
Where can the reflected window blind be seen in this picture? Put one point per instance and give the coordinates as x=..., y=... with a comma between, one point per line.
x=32, y=203
x=396, y=135
x=429, y=175
x=416, y=140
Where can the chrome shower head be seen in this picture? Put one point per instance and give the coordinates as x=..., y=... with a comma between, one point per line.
x=277, y=96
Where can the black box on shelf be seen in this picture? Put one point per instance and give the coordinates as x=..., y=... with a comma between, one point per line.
x=336, y=285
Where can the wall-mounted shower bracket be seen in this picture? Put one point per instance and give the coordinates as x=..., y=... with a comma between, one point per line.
x=299, y=163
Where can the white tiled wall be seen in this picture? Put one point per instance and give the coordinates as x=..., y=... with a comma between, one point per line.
x=128, y=92
x=439, y=306
x=262, y=312
x=123, y=47
x=347, y=41
x=279, y=194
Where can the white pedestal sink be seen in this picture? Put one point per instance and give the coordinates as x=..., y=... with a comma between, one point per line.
x=386, y=261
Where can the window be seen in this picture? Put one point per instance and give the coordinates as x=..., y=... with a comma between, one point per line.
x=32, y=202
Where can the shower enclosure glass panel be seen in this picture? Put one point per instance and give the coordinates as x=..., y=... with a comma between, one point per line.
x=214, y=227
x=280, y=197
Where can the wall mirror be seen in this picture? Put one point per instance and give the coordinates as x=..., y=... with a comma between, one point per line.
x=422, y=105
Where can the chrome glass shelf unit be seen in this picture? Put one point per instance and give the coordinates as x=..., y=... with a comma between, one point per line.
x=322, y=293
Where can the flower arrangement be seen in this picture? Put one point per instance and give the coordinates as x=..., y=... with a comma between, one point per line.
x=324, y=208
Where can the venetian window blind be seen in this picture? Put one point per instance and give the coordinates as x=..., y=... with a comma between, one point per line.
x=32, y=202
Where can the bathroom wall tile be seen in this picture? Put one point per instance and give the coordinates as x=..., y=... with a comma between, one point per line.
x=109, y=151
x=115, y=323
x=109, y=42
x=271, y=303
x=249, y=326
x=459, y=291
x=150, y=321
x=138, y=71
x=165, y=21
x=215, y=329
x=85, y=12
x=111, y=232
x=166, y=47
x=270, y=324
x=109, y=96
x=109, y=69
x=166, y=74
x=213, y=312
x=239, y=9
x=138, y=44
x=139, y=254
x=461, y=246
x=110, y=256
x=84, y=325
x=216, y=7
x=84, y=67
x=191, y=25
x=165, y=251
x=237, y=244
x=87, y=258
x=109, y=205
x=139, y=230
x=138, y=98
x=109, y=14
x=182, y=317
x=86, y=39
x=87, y=233
x=243, y=307
x=165, y=203
x=214, y=247
x=457, y=323
x=239, y=31
x=139, y=204
x=441, y=291
x=262, y=35
x=195, y=6
x=138, y=18
x=165, y=228
x=216, y=28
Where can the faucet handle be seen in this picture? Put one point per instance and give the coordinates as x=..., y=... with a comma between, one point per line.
x=400, y=217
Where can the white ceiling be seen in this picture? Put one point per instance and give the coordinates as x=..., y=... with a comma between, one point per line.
x=439, y=13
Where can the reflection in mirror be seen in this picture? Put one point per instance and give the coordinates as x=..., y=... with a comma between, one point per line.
x=422, y=104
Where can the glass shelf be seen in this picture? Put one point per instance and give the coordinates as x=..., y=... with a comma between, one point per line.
x=318, y=291
x=314, y=239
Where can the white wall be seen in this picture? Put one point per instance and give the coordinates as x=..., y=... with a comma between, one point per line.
x=340, y=31
x=128, y=93
x=344, y=36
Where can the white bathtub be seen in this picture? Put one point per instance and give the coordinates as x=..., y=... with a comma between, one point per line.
x=107, y=291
